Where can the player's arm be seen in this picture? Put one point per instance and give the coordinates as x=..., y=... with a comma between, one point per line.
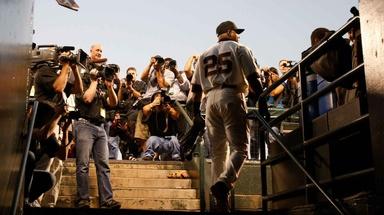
x=196, y=90
x=250, y=69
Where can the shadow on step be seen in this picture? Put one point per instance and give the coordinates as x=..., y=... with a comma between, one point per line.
x=96, y=211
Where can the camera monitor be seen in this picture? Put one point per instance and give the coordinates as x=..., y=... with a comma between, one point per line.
x=82, y=58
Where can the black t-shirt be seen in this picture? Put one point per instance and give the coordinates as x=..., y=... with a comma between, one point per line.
x=161, y=124
x=45, y=76
x=48, y=99
x=93, y=111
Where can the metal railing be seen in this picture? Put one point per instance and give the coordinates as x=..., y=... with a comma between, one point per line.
x=305, y=120
x=21, y=175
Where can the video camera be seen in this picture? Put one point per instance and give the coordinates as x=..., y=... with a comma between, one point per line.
x=53, y=54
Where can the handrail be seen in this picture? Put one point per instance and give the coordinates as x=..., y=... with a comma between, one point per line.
x=300, y=67
x=317, y=141
x=317, y=94
x=325, y=182
x=298, y=164
x=25, y=157
x=312, y=55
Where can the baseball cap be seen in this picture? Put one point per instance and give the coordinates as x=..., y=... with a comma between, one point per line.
x=226, y=26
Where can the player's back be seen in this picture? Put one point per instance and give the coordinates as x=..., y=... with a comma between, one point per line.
x=220, y=65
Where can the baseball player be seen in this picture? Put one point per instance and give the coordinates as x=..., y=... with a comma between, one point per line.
x=225, y=73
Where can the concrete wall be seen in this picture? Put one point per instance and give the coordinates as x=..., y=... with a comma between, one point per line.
x=372, y=30
x=15, y=42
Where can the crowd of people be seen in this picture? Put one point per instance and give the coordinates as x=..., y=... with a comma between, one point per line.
x=87, y=112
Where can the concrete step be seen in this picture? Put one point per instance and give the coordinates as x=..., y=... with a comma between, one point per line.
x=247, y=202
x=140, y=203
x=166, y=193
x=125, y=164
x=122, y=182
x=133, y=172
x=144, y=185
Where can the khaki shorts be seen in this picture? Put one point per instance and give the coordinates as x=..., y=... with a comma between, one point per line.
x=141, y=129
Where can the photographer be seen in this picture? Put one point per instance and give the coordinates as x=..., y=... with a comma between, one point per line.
x=90, y=135
x=51, y=88
x=277, y=94
x=291, y=96
x=176, y=81
x=130, y=92
x=153, y=76
x=132, y=89
x=161, y=118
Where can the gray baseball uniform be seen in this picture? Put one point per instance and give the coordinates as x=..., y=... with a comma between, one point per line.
x=221, y=72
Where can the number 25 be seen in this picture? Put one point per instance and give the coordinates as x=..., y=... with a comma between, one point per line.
x=217, y=64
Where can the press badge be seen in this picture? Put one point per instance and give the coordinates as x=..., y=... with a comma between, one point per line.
x=102, y=112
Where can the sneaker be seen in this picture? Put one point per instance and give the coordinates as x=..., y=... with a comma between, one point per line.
x=111, y=204
x=176, y=157
x=83, y=203
x=221, y=193
x=147, y=158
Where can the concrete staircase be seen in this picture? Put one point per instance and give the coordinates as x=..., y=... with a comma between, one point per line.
x=142, y=185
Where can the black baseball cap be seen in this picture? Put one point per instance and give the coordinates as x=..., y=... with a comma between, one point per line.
x=226, y=26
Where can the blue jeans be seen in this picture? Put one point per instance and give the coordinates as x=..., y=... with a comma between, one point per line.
x=92, y=139
x=167, y=148
x=114, y=150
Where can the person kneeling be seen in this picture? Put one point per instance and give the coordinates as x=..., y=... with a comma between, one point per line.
x=161, y=117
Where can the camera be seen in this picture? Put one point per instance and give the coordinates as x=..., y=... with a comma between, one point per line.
x=172, y=63
x=53, y=55
x=265, y=73
x=129, y=77
x=288, y=63
x=159, y=59
x=108, y=71
x=165, y=98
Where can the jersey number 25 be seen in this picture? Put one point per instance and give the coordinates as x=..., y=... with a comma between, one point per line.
x=217, y=64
